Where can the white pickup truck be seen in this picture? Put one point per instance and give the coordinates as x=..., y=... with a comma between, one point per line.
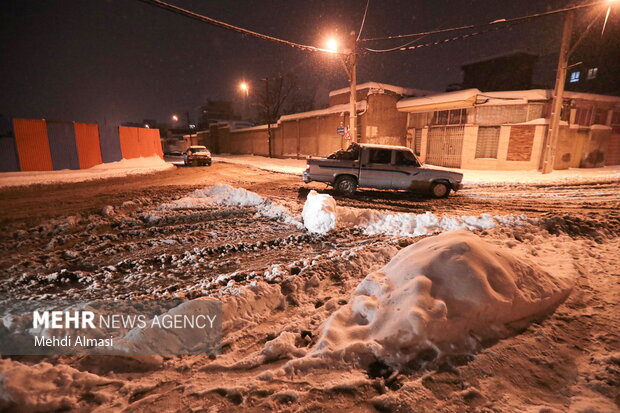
x=382, y=167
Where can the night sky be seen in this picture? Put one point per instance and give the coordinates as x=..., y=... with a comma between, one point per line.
x=124, y=60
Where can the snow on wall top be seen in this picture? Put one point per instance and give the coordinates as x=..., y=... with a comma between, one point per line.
x=361, y=105
x=376, y=85
x=253, y=128
x=470, y=97
x=459, y=95
x=592, y=96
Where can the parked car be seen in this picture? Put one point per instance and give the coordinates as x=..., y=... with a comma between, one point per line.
x=197, y=155
x=382, y=167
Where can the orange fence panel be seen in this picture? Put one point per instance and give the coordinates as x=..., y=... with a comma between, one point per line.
x=33, y=146
x=157, y=143
x=147, y=148
x=130, y=143
x=87, y=140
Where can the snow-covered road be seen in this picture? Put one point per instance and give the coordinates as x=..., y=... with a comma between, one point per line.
x=233, y=233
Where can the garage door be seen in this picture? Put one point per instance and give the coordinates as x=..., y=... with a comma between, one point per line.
x=445, y=145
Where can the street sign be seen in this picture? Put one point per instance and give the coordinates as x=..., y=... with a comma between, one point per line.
x=341, y=130
x=347, y=136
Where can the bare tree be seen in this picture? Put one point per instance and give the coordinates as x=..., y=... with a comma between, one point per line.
x=282, y=95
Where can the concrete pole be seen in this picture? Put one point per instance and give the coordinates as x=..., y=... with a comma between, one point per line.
x=558, y=91
x=353, y=89
x=268, y=111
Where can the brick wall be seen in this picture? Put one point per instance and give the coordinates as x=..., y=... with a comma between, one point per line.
x=520, y=143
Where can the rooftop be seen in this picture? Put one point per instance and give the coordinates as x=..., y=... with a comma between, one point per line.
x=384, y=86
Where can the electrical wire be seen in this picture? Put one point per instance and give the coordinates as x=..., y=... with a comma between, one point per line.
x=363, y=21
x=495, y=22
x=187, y=13
x=436, y=42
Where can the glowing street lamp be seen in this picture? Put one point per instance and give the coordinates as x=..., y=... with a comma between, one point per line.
x=175, y=118
x=332, y=45
x=244, y=88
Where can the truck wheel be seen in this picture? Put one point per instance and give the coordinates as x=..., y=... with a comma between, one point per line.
x=440, y=190
x=346, y=185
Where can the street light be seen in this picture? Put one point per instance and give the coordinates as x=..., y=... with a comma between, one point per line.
x=175, y=118
x=331, y=45
x=245, y=89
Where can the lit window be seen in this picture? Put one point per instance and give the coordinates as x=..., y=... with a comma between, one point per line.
x=592, y=73
x=574, y=77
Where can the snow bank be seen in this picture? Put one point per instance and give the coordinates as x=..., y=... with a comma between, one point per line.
x=119, y=169
x=286, y=166
x=227, y=195
x=44, y=387
x=566, y=176
x=319, y=213
x=373, y=222
x=444, y=294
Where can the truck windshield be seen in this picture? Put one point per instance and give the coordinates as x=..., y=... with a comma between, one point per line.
x=194, y=150
x=406, y=158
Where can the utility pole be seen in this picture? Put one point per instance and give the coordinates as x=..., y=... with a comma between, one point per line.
x=268, y=113
x=353, y=88
x=189, y=127
x=558, y=91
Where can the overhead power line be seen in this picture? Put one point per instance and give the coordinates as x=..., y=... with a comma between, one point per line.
x=493, y=23
x=359, y=34
x=407, y=46
x=205, y=19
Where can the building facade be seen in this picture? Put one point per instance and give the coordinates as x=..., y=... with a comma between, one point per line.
x=470, y=129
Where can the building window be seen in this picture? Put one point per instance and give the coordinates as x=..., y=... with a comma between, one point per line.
x=449, y=117
x=417, y=141
x=592, y=73
x=574, y=77
x=486, y=145
x=600, y=117
x=583, y=116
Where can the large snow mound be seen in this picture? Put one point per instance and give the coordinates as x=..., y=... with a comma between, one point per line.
x=119, y=169
x=227, y=195
x=444, y=294
x=319, y=213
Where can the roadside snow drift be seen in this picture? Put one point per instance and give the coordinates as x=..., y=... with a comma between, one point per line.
x=119, y=169
x=321, y=215
x=228, y=196
x=444, y=294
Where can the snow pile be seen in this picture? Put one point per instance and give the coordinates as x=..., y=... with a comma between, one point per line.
x=44, y=387
x=444, y=294
x=319, y=213
x=119, y=169
x=373, y=222
x=228, y=196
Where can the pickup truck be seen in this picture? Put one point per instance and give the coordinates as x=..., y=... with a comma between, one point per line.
x=382, y=167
